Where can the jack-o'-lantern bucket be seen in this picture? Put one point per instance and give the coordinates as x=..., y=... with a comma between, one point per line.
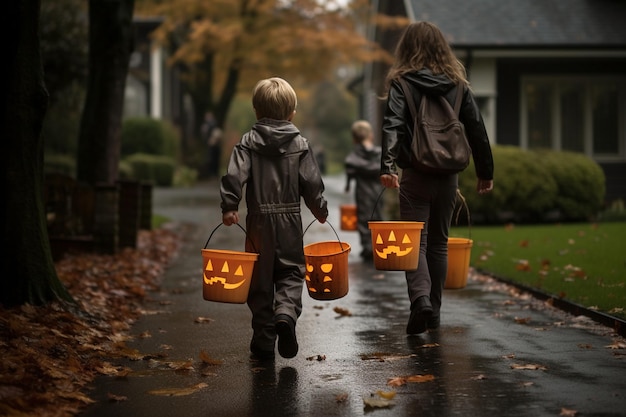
x=348, y=217
x=326, y=272
x=226, y=274
x=396, y=244
x=459, y=251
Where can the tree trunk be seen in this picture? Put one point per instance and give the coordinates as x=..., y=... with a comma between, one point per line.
x=29, y=274
x=110, y=45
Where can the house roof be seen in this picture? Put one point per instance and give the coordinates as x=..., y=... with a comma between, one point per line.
x=526, y=23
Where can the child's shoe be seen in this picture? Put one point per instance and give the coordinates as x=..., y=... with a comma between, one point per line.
x=260, y=354
x=286, y=331
x=421, y=311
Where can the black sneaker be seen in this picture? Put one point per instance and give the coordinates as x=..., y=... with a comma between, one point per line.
x=433, y=323
x=286, y=331
x=421, y=311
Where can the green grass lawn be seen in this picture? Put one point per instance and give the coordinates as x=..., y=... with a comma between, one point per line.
x=583, y=263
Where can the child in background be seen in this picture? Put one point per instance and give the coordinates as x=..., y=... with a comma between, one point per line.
x=278, y=168
x=363, y=166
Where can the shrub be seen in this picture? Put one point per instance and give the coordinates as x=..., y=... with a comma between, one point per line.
x=535, y=186
x=149, y=136
x=185, y=177
x=580, y=180
x=153, y=168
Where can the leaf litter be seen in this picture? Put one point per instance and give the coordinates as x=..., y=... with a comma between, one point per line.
x=50, y=354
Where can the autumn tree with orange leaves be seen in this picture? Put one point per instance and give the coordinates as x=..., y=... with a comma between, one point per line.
x=224, y=46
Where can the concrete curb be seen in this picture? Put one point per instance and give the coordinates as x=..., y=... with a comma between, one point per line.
x=617, y=324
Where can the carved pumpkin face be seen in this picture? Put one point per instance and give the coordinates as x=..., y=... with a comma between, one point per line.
x=348, y=221
x=383, y=247
x=319, y=281
x=224, y=276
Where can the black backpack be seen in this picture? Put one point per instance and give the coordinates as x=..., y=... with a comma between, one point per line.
x=439, y=144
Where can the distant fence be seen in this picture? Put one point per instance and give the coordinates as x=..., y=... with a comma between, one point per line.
x=103, y=219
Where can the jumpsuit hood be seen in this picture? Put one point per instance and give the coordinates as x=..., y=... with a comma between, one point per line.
x=271, y=137
x=424, y=80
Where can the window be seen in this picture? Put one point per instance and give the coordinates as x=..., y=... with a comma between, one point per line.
x=575, y=114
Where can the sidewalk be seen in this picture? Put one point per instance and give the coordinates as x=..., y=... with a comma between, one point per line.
x=498, y=352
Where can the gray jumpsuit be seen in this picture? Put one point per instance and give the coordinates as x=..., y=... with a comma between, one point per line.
x=278, y=168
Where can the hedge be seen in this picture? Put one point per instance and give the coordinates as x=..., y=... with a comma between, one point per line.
x=536, y=186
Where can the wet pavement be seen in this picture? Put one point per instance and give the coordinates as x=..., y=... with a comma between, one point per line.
x=497, y=353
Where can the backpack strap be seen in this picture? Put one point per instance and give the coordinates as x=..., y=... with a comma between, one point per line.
x=408, y=97
x=459, y=96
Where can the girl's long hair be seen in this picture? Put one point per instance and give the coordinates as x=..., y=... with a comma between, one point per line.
x=422, y=45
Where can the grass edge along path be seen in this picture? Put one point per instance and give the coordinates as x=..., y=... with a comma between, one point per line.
x=580, y=268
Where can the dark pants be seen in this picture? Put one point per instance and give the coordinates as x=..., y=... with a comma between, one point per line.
x=369, y=207
x=278, y=277
x=430, y=199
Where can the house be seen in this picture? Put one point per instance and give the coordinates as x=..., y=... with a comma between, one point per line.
x=154, y=88
x=547, y=74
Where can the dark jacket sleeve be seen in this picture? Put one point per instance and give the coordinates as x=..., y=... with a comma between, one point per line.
x=237, y=173
x=396, y=134
x=312, y=186
x=470, y=116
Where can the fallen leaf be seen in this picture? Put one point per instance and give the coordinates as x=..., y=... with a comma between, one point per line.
x=567, y=412
x=617, y=345
x=388, y=395
x=522, y=265
x=420, y=378
x=116, y=398
x=342, y=312
x=396, y=381
x=341, y=397
x=316, y=358
x=178, y=392
x=203, y=320
x=522, y=320
x=207, y=359
x=376, y=402
x=528, y=366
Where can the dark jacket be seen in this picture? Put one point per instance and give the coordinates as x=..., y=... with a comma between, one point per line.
x=364, y=163
x=397, y=126
x=278, y=167
x=363, y=166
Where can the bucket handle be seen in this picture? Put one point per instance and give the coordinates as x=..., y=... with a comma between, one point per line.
x=381, y=194
x=244, y=230
x=458, y=212
x=331, y=226
x=459, y=196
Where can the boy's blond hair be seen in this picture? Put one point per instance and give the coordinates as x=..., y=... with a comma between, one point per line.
x=274, y=98
x=361, y=131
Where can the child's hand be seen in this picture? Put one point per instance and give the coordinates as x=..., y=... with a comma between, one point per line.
x=230, y=217
x=322, y=220
x=390, y=180
x=484, y=186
